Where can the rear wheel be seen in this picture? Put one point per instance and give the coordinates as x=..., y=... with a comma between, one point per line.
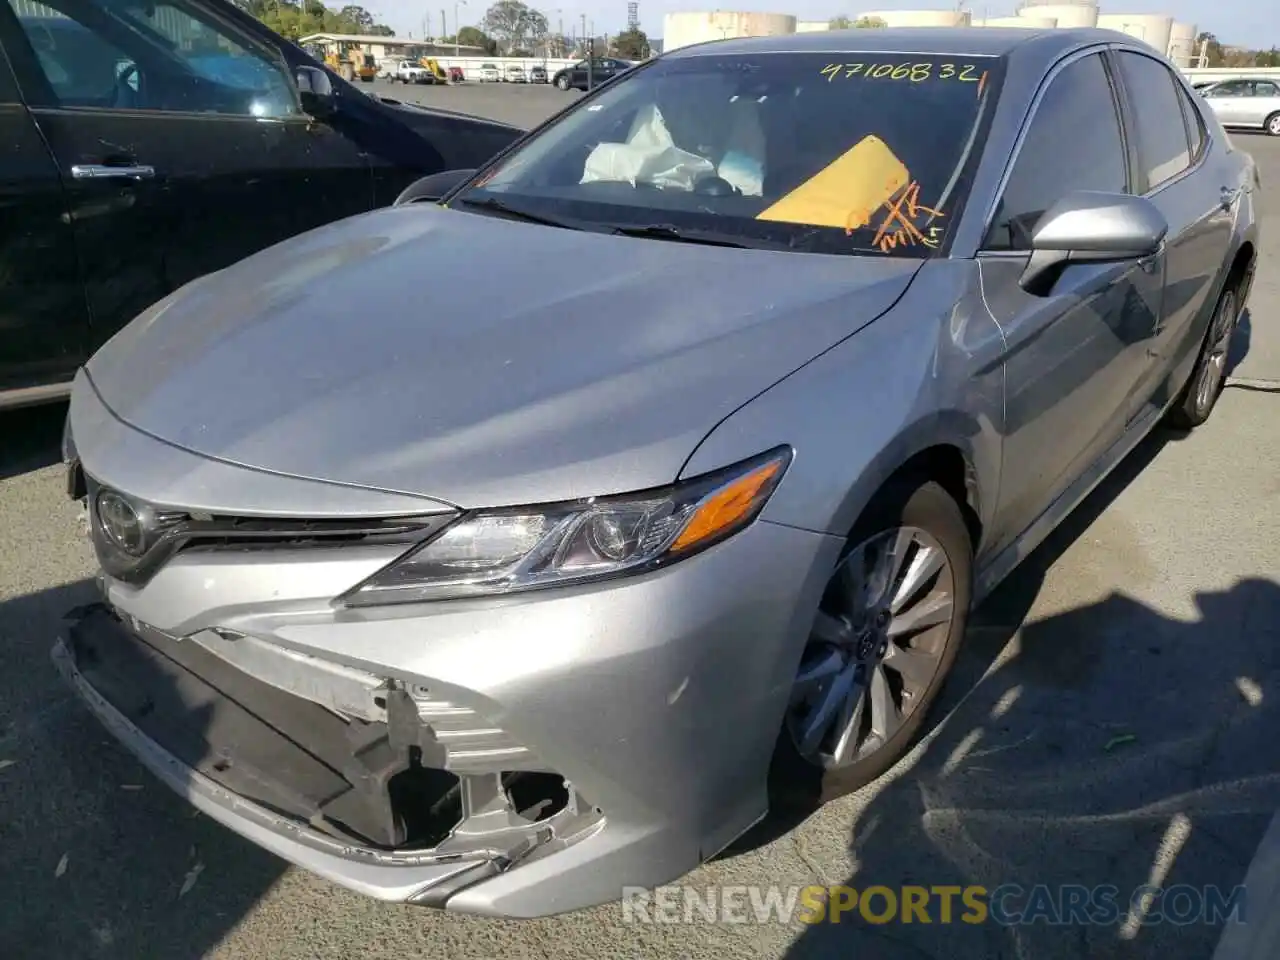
x=1272, y=125
x=884, y=638
x=562, y=83
x=1203, y=389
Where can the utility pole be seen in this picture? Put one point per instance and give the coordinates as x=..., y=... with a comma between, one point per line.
x=456, y=29
x=591, y=54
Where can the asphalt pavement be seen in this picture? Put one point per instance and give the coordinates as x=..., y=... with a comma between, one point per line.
x=1112, y=720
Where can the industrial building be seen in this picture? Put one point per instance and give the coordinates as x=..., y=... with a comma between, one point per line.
x=1170, y=37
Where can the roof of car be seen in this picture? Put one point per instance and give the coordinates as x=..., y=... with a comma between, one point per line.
x=988, y=41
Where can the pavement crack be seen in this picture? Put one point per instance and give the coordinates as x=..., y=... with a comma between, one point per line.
x=808, y=860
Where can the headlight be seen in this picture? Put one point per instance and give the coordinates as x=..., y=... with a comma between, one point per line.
x=504, y=551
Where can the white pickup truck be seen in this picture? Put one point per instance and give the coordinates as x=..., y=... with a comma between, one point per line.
x=410, y=71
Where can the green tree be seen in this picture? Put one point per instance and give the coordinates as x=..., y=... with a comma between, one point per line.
x=298, y=19
x=870, y=23
x=840, y=23
x=514, y=24
x=474, y=37
x=359, y=18
x=631, y=45
x=1267, y=58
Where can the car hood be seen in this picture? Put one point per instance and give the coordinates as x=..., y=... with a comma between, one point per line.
x=476, y=360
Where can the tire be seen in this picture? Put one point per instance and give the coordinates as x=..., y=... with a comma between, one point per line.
x=562, y=83
x=1272, y=124
x=796, y=780
x=1196, y=401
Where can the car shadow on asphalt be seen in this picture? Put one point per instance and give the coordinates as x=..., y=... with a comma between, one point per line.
x=30, y=438
x=1240, y=341
x=100, y=859
x=1070, y=750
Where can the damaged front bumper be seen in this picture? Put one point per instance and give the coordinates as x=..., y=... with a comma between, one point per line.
x=348, y=799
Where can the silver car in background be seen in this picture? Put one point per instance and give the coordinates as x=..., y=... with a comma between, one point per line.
x=500, y=605
x=1248, y=102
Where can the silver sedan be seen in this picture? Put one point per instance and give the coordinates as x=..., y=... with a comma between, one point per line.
x=1251, y=103
x=532, y=538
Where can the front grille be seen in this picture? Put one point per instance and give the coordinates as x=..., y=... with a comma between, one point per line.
x=227, y=531
x=169, y=532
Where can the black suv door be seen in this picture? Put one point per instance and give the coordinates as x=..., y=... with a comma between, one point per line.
x=43, y=321
x=180, y=140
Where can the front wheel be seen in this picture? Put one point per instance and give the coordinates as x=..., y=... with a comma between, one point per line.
x=883, y=641
x=1272, y=125
x=563, y=83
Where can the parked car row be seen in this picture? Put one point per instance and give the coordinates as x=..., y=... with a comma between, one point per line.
x=409, y=593
x=512, y=73
x=149, y=143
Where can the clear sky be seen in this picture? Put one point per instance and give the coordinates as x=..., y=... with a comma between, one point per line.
x=1252, y=23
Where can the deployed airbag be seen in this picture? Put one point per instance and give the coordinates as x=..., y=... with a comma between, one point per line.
x=648, y=156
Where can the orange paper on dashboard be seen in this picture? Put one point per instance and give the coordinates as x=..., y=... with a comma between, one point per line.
x=846, y=192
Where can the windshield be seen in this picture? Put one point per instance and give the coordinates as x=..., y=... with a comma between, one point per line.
x=868, y=154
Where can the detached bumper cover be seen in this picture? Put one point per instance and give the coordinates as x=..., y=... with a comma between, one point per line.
x=285, y=773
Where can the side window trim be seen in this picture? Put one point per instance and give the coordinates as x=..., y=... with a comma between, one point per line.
x=1139, y=177
x=1027, y=121
x=1119, y=103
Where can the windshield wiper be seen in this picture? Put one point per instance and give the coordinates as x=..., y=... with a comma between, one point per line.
x=665, y=231
x=515, y=213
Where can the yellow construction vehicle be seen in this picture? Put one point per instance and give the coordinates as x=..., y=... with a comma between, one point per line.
x=348, y=61
x=437, y=71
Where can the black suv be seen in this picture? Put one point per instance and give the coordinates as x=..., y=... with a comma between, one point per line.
x=148, y=142
x=602, y=69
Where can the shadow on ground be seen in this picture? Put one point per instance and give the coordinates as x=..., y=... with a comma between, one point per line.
x=30, y=438
x=1070, y=738
x=1240, y=341
x=96, y=850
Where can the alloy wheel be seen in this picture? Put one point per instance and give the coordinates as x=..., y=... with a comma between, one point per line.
x=1214, y=367
x=875, y=649
x=1273, y=125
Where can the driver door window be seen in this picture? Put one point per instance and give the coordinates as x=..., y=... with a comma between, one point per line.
x=140, y=55
x=1072, y=143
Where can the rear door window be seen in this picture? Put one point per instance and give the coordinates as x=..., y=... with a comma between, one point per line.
x=1155, y=118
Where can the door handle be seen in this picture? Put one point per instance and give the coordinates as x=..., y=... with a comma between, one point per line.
x=103, y=171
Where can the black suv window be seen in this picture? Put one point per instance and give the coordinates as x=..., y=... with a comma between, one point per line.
x=1163, y=151
x=1072, y=143
x=152, y=55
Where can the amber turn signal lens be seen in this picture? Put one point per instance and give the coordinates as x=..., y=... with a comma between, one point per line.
x=728, y=506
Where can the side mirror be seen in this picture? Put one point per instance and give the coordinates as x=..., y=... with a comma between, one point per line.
x=432, y=187
x=315, y=92
x=1088, y=227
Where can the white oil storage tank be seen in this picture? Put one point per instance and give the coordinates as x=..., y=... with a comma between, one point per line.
x=1182, y=43
x=1068, y=15
x=1153, y=29
x=1027, y=23
x=683, y=29
x=919, y=18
